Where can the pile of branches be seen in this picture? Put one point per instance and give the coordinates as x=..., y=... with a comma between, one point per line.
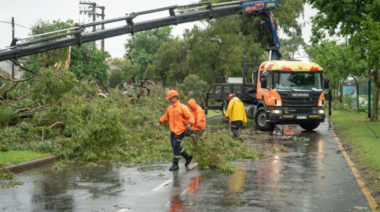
x=86, y=121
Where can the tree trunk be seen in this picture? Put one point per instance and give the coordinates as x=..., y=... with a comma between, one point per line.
x=375, y=104
x=357, y=95
x=336, y=91
x=375, y=96
x=340, y=92
x=213, y=66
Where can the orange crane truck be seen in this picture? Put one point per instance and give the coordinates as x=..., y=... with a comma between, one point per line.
x=281, y=92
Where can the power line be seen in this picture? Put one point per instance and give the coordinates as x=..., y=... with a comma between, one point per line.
x=7, y=22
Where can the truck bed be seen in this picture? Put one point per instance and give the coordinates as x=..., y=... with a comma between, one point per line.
x=220, y=91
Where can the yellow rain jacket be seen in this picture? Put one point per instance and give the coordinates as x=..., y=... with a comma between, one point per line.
x=236, y=111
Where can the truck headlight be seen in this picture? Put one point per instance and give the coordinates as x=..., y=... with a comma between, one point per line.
x=276, y=111
x=321, y=111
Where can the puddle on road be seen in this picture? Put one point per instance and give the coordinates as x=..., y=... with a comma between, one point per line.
x=152, y=168
x=182, y=200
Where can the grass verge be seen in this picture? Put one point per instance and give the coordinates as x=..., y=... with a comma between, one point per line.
x=352, y=127
x=213, y=113
x=14, y=157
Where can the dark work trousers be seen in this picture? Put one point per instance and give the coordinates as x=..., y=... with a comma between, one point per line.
x=234, y=126
x=176, y=141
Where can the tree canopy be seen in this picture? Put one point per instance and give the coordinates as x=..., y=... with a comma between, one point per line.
x=86, y=61
x=212, y=51
x=358, y=21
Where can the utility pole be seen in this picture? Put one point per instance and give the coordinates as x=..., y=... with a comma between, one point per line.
x=13, y=37
x=93, y=12
x=102, y=15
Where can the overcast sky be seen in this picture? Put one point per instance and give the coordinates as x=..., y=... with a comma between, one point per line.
x=28, y=12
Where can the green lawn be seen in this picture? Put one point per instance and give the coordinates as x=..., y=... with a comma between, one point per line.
x=14, y=157
x=353, y=129
x=213, y=113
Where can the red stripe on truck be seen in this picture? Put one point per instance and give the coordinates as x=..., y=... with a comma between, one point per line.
x=286, y=69
x=314, y=69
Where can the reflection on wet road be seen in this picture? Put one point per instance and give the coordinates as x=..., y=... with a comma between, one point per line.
x=307, y=173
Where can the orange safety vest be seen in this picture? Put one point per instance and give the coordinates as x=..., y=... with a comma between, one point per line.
x=178, y=116
x=198, y=114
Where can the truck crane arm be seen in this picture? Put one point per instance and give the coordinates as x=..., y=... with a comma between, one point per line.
x=177, y=15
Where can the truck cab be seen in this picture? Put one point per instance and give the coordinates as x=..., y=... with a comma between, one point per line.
x=289, y=92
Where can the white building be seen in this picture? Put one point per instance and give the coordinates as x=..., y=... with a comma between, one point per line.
x=7, y=67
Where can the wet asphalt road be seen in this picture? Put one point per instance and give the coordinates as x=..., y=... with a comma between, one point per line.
x=305, y=176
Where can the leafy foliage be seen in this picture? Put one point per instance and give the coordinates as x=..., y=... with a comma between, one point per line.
x=88, y=62
x=170, y=63
x=51, y=85
x=214, y=150
x=7, y=116
x=79, y=124
x=193, y=87
x=361, y=26
x=116, y=78
x=37, y=61
x=143, y=47
x=339, y=62
x=290, y=46
x=212, y=51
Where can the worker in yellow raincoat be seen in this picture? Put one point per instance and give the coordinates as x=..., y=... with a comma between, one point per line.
x=236, y=113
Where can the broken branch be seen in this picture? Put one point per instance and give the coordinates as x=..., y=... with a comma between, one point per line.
x=130, y=51
x=56, y=124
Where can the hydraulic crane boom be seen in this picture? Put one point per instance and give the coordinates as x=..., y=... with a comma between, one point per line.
x=177, y=15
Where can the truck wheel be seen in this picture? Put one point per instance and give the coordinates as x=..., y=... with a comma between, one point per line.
x=260, y=120
x=224, y=107
x=310, y=126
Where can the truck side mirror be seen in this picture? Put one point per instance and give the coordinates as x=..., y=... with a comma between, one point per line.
x=327, y=84
x=264, y=82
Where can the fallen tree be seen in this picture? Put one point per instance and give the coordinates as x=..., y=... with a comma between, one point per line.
x=72, y=121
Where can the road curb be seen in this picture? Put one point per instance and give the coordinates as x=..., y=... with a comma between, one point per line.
x=371, y=200
x=16, y=168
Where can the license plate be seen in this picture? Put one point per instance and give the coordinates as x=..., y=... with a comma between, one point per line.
x=301, y=117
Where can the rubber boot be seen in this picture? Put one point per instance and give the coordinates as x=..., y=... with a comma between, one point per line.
x=188, y=160
x=174, y=167
x=187, y=157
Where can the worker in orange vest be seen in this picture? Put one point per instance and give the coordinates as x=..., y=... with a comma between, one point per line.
x=180, y=119
x=236, y=114
x=199, y=116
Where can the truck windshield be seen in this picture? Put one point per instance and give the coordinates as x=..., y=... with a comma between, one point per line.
x=298, y=80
